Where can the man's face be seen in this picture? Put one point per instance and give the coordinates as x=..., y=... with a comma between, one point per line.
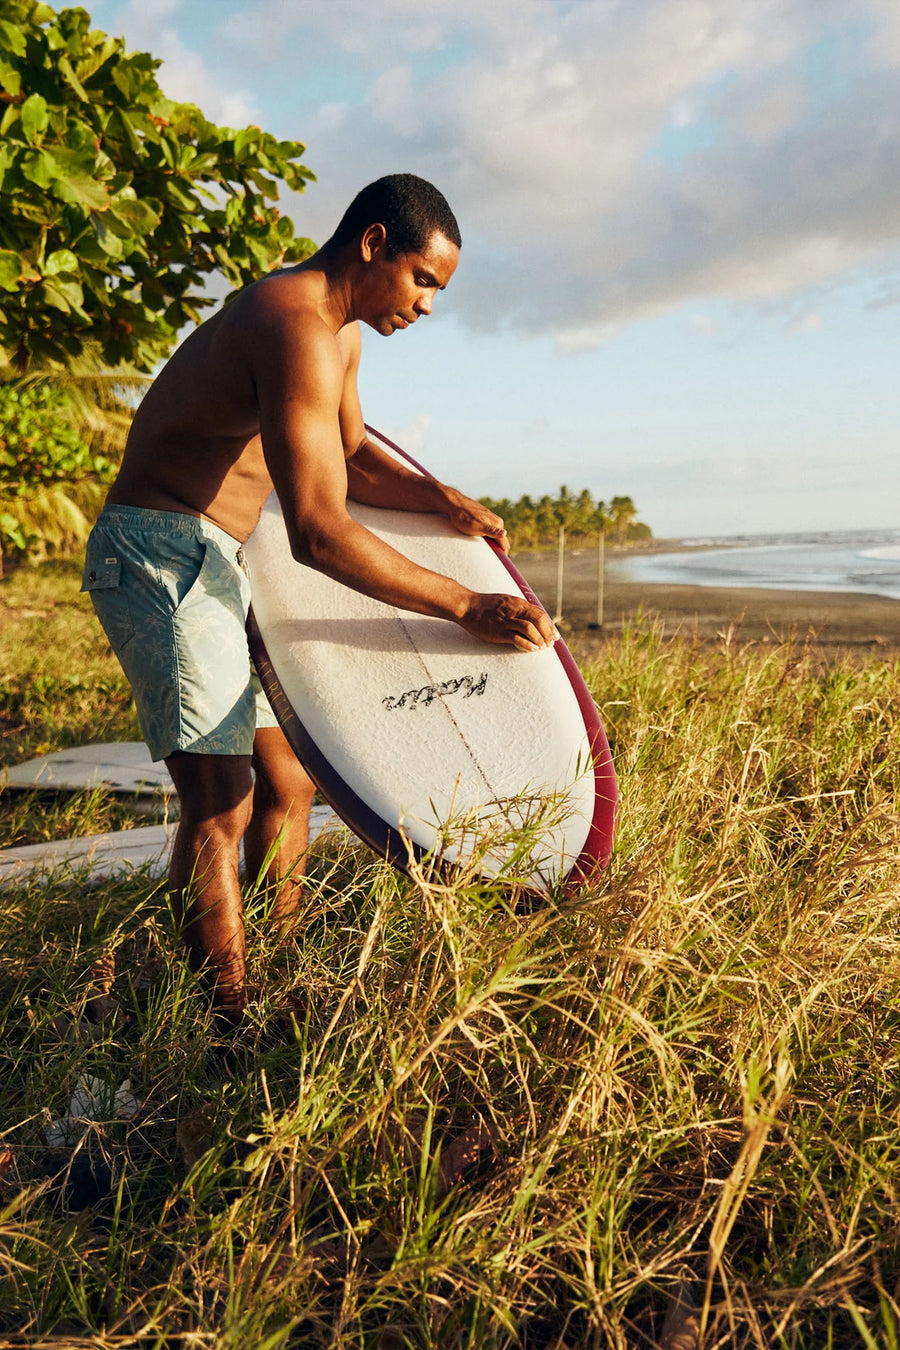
x=403, y=288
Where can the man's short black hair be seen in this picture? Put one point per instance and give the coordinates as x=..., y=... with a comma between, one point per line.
x=411, y=209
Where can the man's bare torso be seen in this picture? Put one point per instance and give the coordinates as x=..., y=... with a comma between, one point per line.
x=194, y=444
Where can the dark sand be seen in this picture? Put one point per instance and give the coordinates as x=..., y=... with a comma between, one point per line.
x=835, y=620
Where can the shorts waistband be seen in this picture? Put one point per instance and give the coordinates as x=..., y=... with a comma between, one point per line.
x=167, y=522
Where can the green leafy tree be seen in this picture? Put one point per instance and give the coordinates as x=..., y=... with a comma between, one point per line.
x=116, y=203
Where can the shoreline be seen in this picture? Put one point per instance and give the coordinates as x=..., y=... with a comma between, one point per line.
x=845, y=620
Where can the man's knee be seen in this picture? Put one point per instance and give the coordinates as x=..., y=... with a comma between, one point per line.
x=214, y=790
x=281, y=780
x=283, y=793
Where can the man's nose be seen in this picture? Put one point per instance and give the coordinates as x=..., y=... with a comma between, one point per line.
x=423, y=304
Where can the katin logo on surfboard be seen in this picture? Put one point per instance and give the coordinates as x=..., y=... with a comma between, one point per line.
x=416, y=698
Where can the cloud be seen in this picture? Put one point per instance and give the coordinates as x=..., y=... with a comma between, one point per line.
x=608, y=162
x=414, y=435
x=611, y=163
x=887, y=293
x=376, y=33
x=809, y=322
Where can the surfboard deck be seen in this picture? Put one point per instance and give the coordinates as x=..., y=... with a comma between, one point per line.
x=422, y=738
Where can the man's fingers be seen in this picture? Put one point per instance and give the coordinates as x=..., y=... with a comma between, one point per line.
x=531, y=629
x=522, y=644
x=470, y=517
x=549, y=630
x=511, y=619
x=535, y=637
x=540, y=628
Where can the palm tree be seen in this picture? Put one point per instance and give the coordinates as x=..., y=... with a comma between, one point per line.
x=601, y=520
x=623, y=512
x=583, y=513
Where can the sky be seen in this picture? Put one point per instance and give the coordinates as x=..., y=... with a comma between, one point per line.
x=680, y=274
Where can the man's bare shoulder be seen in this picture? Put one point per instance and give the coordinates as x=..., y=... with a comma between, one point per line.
x=281, y=336
x=280, y=302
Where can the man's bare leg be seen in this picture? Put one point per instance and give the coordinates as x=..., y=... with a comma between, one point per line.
x=282, y=797
x=215, y=793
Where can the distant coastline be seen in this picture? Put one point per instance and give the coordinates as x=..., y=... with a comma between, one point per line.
x=864, y=562
x=656, y=582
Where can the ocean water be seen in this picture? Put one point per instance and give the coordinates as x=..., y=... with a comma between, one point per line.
x=859, y=560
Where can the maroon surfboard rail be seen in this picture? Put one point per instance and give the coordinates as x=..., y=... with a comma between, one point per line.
x=384, y=838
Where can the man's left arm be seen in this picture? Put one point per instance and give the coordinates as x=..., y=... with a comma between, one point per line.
x=375, y=478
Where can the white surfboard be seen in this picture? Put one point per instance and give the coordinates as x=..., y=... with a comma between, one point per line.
x=424, y=739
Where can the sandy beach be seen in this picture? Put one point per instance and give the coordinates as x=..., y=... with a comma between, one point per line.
x=834, y=619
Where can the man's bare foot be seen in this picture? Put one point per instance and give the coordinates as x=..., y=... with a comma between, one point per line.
x=681, y=1329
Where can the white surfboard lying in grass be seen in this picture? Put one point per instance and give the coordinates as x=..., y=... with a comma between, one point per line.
x=424, y=739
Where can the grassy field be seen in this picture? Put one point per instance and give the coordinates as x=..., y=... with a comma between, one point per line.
x=60, y=685
x=484, y=1128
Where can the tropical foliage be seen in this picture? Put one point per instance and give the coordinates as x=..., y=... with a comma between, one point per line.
x=115, y=202
x=115, y=205
x=536, y=524
x=52, y=478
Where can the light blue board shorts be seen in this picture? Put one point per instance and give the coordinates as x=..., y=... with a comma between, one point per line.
x=172, y=595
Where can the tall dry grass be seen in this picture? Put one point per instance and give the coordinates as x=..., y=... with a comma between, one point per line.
x=494, y=1129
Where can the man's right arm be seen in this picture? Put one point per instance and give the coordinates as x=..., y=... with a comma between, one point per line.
x=298, y=372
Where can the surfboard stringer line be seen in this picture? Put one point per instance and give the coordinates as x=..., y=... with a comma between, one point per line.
x=598, y=846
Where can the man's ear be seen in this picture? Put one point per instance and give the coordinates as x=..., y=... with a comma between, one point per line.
x=373, y=241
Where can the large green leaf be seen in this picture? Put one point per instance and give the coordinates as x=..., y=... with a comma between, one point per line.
x=9, y=119
x=12, y=37
x=10, y=78
x=178, y=195
x=82, y=191
x=141, y=217
x=11, y=270
x=60, y=260
x=83, y=158
x=71, y=79
x=34, y=117
x=91, y=63
x=64, y=293
x=42, y=13
x=108, y=241
x=39, y=168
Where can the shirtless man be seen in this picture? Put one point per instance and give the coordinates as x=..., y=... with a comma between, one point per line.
x=264, y=393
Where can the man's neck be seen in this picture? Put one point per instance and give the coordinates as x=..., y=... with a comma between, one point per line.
x=332, y=270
